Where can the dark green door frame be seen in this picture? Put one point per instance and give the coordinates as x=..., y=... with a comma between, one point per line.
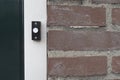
x=11, y=39
x=22, y=38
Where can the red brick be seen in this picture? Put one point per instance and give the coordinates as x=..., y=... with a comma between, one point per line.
x=116, y=64
x=59, y=15
x=116, y=16
x=80, y=66
x=106, y=1
x=83, y=40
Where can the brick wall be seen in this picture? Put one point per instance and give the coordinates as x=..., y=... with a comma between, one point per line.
x=83, y=39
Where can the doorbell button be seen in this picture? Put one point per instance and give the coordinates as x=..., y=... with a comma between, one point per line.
x=36, y=30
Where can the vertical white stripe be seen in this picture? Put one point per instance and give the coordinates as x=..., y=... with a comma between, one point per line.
x=35, y=52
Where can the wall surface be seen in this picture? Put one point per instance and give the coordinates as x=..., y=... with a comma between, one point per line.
x=83, y=39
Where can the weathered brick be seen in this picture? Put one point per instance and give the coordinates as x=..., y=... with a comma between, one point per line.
x=62, y=15
x=116, y=64
x=106, y=1
x=116, y=16
x=80, y=66
x=83, y=40
x=65, y=1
